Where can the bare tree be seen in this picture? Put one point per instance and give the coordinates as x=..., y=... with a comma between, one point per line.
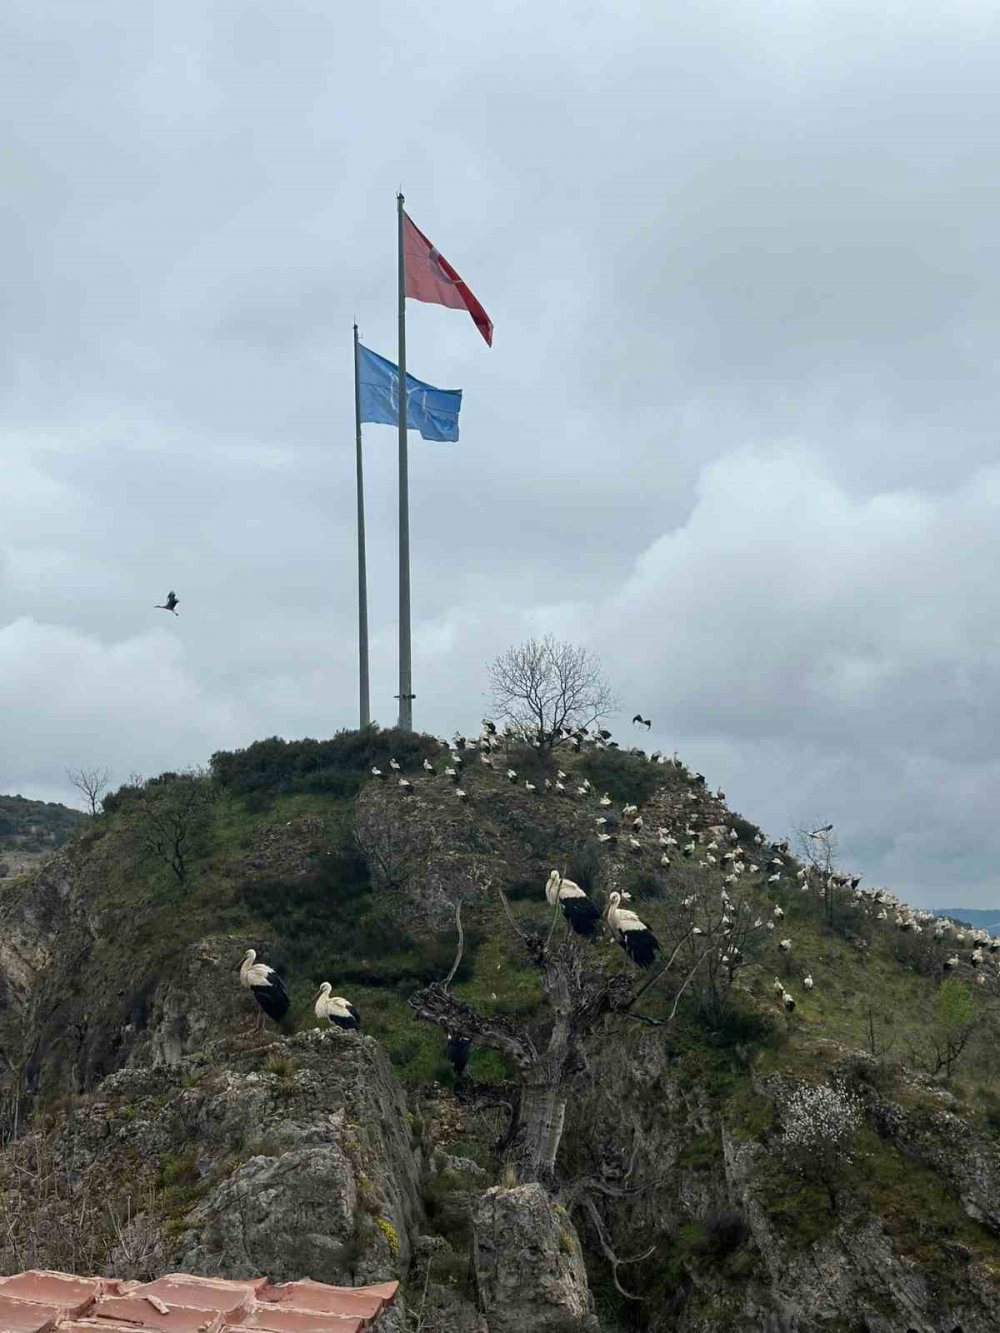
x=169, y=817
x=578, y=995
x=818, y=849
x=544, y=685
x=91, y=783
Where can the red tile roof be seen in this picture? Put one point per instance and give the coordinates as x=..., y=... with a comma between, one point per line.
x=43, y=1302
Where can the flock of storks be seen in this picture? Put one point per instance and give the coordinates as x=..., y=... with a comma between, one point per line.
x=581, y=915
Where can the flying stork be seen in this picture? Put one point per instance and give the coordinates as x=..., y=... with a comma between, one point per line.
x=642, y=721
x=169, y=604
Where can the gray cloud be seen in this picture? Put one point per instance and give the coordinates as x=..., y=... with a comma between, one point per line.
x=736, y=431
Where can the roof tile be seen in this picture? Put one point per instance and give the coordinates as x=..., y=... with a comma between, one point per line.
x=143, y=1310
x=26, y=1316
x=317, y=1296
x=281, y=1319
x=40, y=1301
x=71, y=1294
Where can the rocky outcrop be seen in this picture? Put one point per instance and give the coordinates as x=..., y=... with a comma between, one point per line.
x=143, y=1133
x=529, y=1267
x=292, y=1159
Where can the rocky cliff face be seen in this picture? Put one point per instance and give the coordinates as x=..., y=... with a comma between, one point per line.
x=145, y=1128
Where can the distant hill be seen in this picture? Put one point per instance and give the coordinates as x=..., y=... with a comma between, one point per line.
x=984, y=918
x=35, y=827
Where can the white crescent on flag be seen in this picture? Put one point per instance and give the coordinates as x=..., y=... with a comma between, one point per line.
x=434, y=260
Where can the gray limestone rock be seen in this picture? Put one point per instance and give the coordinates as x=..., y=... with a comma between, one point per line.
x=528, y=1264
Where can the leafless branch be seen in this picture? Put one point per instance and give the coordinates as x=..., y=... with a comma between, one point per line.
x=461, y=945
x=91, y=783
x=435, y=1004
x=543, y=685
x=608, y=1252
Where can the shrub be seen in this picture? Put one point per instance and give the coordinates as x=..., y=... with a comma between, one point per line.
x=584, y=866
x=729, y=1022
x=723, y=1231
x=331, y=923
x=627, y=778
x=336, y=767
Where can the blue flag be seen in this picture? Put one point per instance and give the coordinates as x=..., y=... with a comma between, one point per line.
x=433, y=412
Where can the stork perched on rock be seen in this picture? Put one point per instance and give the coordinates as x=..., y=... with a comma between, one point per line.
x=580, y=913
x=338, y=1011
x=265, y=986
x=634, y=935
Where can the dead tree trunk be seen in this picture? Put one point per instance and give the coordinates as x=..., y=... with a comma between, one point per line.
x=579, y=996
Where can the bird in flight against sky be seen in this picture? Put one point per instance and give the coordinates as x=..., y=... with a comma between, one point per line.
x=169, y=604
x=818, y=832
x=642, y=721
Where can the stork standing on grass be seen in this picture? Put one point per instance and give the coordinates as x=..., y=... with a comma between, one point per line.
x=266, y=987
x=580, y=913
x=338, y=1011
x=634, y=935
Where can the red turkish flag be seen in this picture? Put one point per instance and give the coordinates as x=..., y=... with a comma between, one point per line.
x=429, y=277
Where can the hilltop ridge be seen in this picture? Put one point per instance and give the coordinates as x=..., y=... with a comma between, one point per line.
x=31, y=829
x=120, y=1006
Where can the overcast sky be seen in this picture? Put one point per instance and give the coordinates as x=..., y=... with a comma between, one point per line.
x=737, y=432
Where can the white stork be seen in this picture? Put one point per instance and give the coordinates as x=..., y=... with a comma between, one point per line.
x=634, y=935
x=265, y=985
x=169, y=604
x=580, y=913
x=338, y=1011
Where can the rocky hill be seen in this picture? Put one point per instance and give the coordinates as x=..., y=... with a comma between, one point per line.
x=712, y=1144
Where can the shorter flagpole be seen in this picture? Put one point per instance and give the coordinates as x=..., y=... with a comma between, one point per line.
x=365, y=707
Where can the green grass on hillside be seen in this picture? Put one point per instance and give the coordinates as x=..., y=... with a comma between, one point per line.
x=330, y=924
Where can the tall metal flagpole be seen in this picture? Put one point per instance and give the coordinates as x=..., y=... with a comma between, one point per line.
x=405, y=677
x=365, y=707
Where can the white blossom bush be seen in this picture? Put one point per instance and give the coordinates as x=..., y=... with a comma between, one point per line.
x=819, y=1131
